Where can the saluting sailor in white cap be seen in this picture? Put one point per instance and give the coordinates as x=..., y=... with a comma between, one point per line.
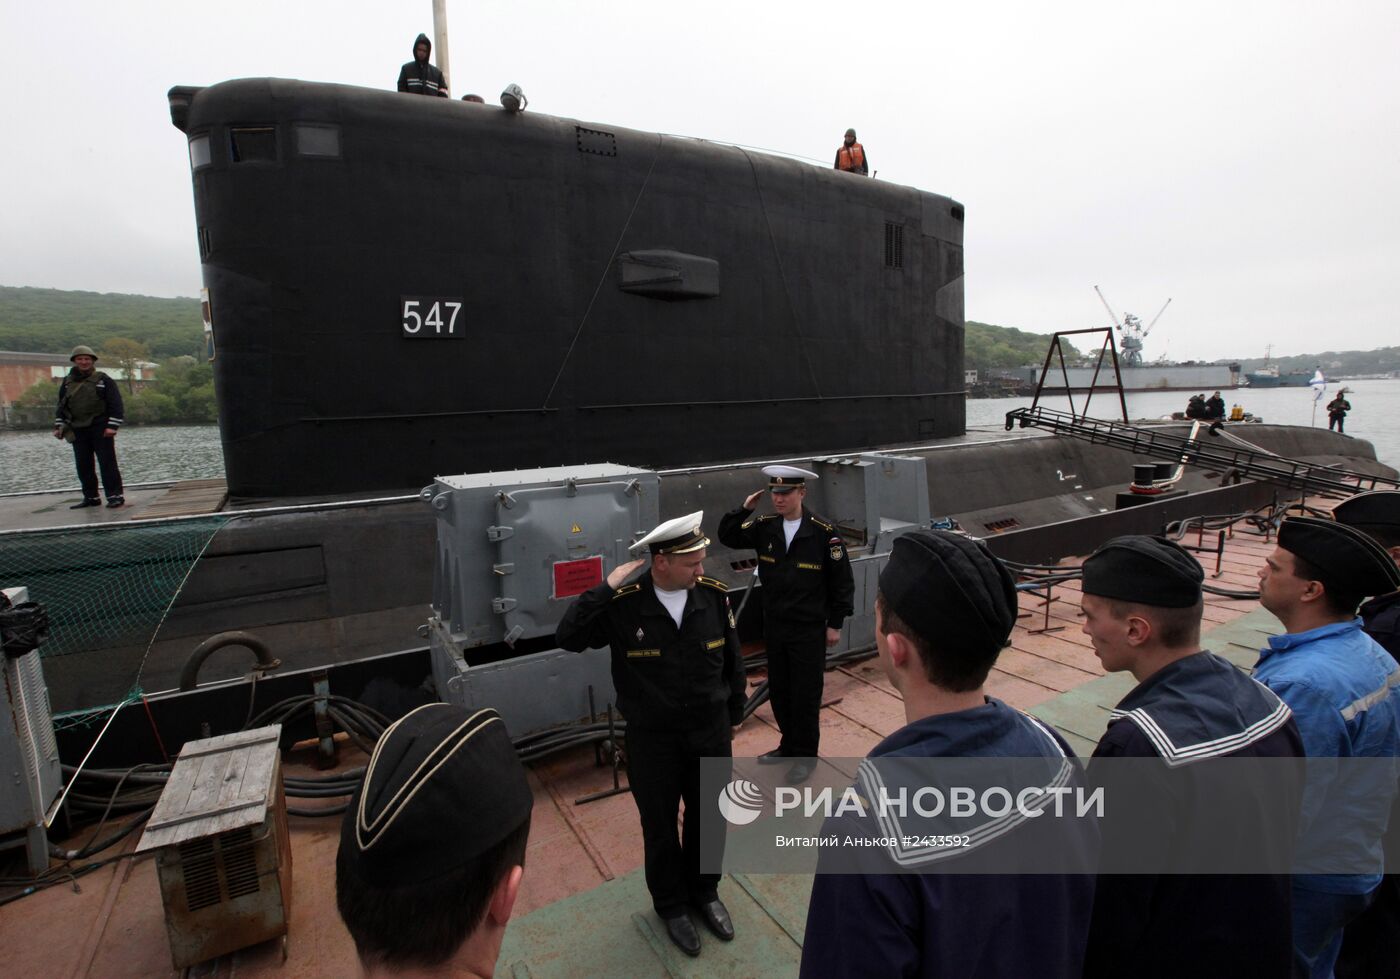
x=680, y=684
x=807, y=594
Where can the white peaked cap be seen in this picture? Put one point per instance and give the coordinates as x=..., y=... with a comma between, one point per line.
x=679, y=536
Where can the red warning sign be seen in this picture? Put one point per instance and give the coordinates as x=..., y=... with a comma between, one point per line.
x=576, y=577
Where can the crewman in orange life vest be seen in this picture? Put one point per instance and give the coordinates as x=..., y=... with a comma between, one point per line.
x=851, y=156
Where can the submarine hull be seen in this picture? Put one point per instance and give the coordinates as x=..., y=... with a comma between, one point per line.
x=402, y=286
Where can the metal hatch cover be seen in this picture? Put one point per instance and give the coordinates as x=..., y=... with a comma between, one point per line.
x=564, y=539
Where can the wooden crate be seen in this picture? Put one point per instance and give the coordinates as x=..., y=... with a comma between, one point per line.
x=223, y=855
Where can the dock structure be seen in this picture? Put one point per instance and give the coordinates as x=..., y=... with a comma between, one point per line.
x=583, y=907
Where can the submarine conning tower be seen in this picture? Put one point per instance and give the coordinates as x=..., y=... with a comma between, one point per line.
x=401, y=286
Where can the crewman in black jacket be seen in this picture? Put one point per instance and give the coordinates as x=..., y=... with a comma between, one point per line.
x=418, y=77
x=680, y=684
x=807, y=595
x=1371, y=942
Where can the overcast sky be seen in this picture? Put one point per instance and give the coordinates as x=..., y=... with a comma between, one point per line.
x=1242, y=159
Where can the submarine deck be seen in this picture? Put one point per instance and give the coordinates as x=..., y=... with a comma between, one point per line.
x=48, y=509
x=583, y=908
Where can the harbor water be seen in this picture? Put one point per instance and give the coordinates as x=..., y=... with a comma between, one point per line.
x=37, y=461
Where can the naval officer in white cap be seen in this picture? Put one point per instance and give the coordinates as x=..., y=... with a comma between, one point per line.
x=679, y=676
x=807, y=595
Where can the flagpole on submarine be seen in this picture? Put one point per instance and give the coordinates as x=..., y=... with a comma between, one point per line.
x=440, y=41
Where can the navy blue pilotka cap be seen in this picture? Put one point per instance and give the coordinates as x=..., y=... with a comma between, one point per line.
x=950, y=590
x=443, y=786
x=1145, y=571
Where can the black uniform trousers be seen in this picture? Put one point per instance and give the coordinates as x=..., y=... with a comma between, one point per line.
x=664, y=771
x=796, y=673
x=89, y=442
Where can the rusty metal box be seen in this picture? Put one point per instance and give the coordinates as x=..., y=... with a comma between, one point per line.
x=223, y=856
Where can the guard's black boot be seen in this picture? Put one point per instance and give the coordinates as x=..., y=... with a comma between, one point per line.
x=774, y=757
x=116, y=501
x=800, y=772
x=84, y=504
x=682, y=931
x=716, y=917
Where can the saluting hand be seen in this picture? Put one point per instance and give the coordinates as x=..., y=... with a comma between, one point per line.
x=751, y=500
x=622, y=572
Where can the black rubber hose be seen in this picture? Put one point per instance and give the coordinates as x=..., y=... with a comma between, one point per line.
x=326, y=811
x=97, y=847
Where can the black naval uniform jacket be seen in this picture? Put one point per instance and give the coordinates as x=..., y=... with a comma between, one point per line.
x=806, y=586
x=1380, y=617
x=667, y=678
x=1174, y=925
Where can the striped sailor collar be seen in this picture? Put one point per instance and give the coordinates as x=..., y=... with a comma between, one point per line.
x=1201, y=707
x=1292, y=640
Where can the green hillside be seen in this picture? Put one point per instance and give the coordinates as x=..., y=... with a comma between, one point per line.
x=1378, y=361
x=56, y=320
x=989, y=347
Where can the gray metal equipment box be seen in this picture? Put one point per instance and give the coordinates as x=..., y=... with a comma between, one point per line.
x=29, y=762
x=513, y=550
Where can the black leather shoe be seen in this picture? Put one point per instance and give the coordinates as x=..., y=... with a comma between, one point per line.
x=84, y=504
x=683, y=933
x=774, y=757
x=799, y=773
x=717, y=919
x=116, y=501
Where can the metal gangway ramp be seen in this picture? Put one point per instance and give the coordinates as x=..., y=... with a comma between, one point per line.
x=1249, y=462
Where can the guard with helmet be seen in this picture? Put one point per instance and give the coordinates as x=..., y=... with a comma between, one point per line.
x=89, y=414
x=680, y=685
x=807, y=594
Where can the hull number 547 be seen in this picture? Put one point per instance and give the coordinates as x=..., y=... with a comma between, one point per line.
x=432, y=317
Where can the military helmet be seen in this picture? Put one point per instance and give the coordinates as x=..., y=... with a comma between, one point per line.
x=81, y=351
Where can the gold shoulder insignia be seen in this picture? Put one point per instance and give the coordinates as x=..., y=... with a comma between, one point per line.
x=768, y=516
x=748, y=523
x=627, y=590
x=823, y=525
x=714, y=583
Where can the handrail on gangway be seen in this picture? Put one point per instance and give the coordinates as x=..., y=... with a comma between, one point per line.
x=1249, y=463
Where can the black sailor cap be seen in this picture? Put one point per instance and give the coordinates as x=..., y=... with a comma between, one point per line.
x=1378, y=509
x=1349, y=562
x=1145, y=571
x=950, y=590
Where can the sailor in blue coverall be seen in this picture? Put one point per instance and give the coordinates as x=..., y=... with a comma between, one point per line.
x=1344, y=690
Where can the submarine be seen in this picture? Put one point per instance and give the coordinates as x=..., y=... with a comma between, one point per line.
x=402, y=291
x=398, y=287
